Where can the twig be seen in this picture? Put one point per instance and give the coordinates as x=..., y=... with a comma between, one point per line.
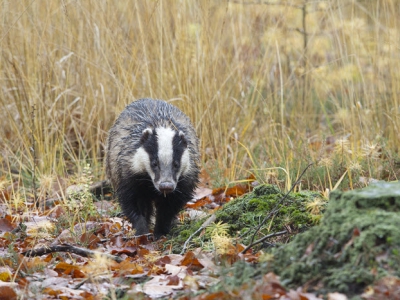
x=263, y=239
x=276, y=209
x=69, y=248
x=204, y=225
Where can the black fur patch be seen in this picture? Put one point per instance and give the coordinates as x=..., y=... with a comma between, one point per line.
x=179, y=145
x=150, y=145
x=135, y=128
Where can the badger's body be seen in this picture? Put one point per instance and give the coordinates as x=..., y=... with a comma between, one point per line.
x=152, y=161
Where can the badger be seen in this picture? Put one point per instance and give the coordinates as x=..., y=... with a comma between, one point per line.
x=152, y=162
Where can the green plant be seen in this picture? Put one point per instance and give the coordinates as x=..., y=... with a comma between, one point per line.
x=79, y=201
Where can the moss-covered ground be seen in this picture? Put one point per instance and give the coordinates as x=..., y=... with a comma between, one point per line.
x=356, y=243
x=244, y=214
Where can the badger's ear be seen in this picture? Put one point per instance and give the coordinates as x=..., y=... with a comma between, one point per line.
x=183, y=138
x=145, y=135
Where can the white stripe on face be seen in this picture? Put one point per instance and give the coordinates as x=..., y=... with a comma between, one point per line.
x=185, y=163
x=141, y=162
x=165, y=137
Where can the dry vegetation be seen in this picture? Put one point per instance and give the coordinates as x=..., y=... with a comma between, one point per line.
x=269, y=87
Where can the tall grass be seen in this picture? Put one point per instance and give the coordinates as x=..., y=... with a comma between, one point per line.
x=267, y=84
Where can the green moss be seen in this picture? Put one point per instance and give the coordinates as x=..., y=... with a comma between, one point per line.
x=180, y=233
x=357, y=242
x=247, y=212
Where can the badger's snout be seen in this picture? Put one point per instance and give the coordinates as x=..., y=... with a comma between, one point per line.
x=166, y=187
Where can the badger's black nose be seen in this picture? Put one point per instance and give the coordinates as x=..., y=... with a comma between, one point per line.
x=166, y=187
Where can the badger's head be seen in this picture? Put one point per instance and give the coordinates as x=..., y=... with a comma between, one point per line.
x=164, y=155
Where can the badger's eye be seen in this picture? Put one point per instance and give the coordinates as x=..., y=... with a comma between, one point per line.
x=154, y=164
x=176, y=164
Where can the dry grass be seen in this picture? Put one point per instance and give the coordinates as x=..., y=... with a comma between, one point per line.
x=246, y=74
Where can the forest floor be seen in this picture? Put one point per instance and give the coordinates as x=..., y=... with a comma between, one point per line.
x=248, y=241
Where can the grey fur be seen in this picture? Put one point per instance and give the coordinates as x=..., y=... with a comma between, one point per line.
x=137, y=122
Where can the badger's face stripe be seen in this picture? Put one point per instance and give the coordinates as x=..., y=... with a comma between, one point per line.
x=165, y=137
x=163, y=154
x=185, y=163
x=141, y=162
x=181, y=154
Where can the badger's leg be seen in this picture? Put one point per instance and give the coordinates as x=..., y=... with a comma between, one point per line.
x=136, y=207
x=139, y=222
x=166, y=211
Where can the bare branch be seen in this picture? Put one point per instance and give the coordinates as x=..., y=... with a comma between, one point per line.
x=204, y=225
x=69, y=248
x=263, y=239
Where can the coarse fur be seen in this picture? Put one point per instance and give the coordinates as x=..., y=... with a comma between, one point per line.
x=152, y=161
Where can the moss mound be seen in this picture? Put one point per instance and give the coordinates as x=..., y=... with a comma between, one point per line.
x=246, y=213
x=357, y=242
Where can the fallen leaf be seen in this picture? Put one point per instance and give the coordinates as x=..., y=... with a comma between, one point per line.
x=55, y=282
x=76, y=273
x=131, y=251
x=384, y=288
x=87, y=296
x=175, y=259
x=7, y=292
x=65, y=268
x=173, y=280
x=162, y=261
x=191, y=262
x=237, y=190
x=52, y=292
x=202, y=192
x=158, y=287
x=175, y=270
x=109, y=228
x=199, y=203
x=6, y=225
x=90, y=240
x=128, y=267
x=50, y=273
x=206, y=260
